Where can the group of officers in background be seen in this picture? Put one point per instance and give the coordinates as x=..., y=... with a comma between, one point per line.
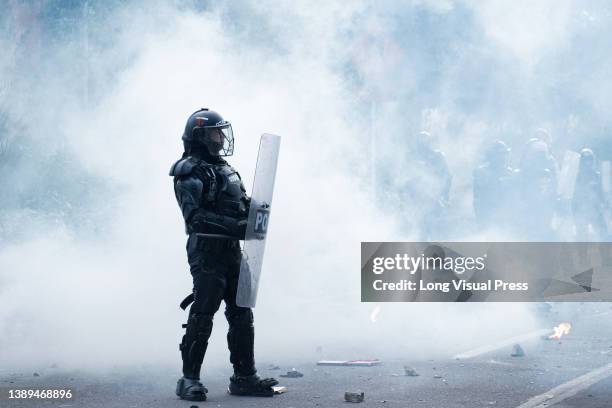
x=539, y=200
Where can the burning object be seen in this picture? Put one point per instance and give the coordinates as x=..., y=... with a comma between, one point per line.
x=354, y=397
x=560, y=330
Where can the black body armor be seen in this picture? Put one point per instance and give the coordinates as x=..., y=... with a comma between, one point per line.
x=212, y=197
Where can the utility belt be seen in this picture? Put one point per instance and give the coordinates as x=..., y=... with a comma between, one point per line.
x=211, y=242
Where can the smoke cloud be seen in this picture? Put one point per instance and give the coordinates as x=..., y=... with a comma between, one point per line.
x=94, y=99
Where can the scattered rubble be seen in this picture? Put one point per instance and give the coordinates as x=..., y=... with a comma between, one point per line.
x=517, y=351
x=293, y=373
x=279, y=389
x=363, y=363
x=273, y=367
x=410, y=372
x=354, y=396
x=36, y=375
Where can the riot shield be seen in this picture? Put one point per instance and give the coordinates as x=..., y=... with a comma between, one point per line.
x=258, y=221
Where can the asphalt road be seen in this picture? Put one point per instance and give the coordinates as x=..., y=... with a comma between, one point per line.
x=573, y=372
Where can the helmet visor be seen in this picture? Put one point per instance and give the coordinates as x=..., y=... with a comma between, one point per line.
x=219, y=139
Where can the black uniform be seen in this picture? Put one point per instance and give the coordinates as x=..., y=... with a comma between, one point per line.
x=425, y=190
x=215, y=207
x=588, y=202
x=536, y=197
x=213, y=202
x=492, y=187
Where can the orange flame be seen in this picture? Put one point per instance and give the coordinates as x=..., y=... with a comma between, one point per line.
x=560, y=330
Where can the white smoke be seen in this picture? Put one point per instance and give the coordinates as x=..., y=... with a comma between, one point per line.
x=267, y=67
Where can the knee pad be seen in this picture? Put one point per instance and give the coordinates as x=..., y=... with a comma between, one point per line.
x=200, y=324
x=195, y=342
x=198, y=330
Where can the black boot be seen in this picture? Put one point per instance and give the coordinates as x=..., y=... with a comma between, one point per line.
x=190, y=390
x=252, y=385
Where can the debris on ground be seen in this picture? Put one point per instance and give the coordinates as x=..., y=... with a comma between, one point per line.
x=363, y=363
x=517, y=351
x=354, y=396
x=437, y=376
x=273, y=367
x=279, y=389
x=293, y=373
x=194, y=406
x=410, y=372
x=36, y=375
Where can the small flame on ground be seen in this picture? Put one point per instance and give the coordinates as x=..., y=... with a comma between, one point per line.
x=560, y=330
x=374, y=314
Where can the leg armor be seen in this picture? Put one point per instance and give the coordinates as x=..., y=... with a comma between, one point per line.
x=194, y=344
x=209, y=285
x=240, y=339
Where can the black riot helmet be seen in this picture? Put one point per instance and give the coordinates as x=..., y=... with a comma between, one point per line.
x=206, y=129
x=587, y=159
x=498, y=154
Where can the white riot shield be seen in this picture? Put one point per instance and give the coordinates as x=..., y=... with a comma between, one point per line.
x=569, y=172
x=259, y=217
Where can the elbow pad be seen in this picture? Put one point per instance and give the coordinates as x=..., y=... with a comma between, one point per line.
x=188, y=194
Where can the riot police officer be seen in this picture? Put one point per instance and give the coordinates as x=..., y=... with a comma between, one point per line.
x=536, y=193
x=588, y=202
x=425, y=189
x=215, y=207
x=492, y=186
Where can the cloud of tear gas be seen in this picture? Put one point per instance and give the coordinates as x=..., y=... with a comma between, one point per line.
x=347, y=86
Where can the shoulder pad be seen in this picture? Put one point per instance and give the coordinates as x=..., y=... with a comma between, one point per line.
x=182, y=167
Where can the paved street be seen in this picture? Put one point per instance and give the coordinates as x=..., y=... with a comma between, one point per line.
x=573, y=372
